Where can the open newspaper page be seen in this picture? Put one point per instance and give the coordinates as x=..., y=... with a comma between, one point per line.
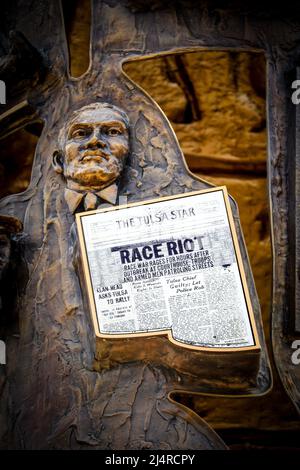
x=168, y=266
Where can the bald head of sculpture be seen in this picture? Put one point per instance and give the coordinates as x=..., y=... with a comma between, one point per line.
x=93, y=146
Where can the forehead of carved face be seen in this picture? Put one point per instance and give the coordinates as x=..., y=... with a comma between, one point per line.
x=96, y=145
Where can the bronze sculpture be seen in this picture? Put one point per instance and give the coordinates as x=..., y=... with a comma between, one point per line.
x=94, y=145
x=112, y=394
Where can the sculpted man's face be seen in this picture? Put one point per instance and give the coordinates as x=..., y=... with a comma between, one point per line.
x=96, y=146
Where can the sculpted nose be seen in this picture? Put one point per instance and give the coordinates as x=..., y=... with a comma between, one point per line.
x=96, y=142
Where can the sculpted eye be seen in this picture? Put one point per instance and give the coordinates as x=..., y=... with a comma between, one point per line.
x=114, y=131
x=80, y=133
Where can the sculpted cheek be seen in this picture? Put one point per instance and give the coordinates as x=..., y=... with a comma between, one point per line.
x=119, y=149
x=71, y=152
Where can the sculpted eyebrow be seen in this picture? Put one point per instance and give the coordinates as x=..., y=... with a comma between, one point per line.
x=114, y=123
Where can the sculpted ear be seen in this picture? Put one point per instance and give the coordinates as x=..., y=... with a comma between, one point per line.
x=57, y=161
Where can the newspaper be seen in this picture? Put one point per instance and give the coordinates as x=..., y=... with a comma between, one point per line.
x=168, y=266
